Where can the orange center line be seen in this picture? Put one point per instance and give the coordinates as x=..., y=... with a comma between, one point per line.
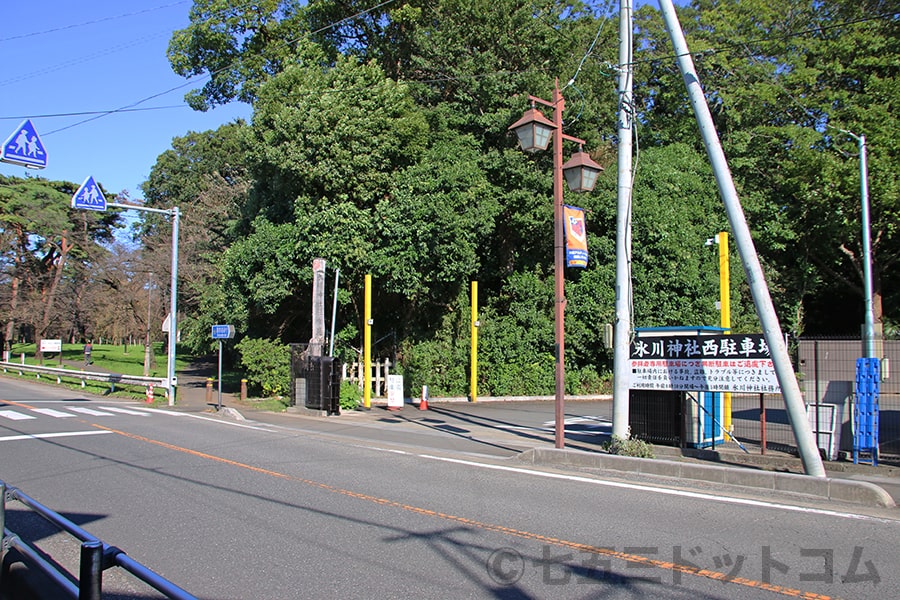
x=19, y=404
x=526, y=535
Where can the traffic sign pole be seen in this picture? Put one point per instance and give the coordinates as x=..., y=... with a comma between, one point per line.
x=84, y=198
x=221, y=332
x=219, y=406
x=173, y=307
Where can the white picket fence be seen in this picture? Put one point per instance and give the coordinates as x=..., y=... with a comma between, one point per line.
x=380, y=370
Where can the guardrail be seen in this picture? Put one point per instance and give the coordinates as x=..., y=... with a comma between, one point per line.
x=111, y=378
x=95, y=558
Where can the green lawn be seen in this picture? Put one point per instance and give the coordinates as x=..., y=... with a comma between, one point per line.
x=109, y=357
x=106, y=357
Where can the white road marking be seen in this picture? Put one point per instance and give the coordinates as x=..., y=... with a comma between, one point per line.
x=125, y=411
x=41, y=436
x=667, y=491
x=642, y=488
x=53, y=413
x=271, y=429
x=89, y=411
x=15, y=416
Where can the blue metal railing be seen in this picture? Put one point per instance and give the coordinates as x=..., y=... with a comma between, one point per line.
x=96, y=556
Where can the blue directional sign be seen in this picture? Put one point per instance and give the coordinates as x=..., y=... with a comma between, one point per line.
x=222, y=332
x=24, y=147
x=89, y=196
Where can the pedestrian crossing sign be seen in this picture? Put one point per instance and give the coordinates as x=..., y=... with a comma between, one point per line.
x=24, y=147
x=89, y=196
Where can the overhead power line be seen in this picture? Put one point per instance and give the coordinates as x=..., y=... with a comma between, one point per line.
x=131, y=107
x=90, y=112
x=94, y=22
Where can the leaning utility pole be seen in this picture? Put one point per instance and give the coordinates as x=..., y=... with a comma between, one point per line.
x=790, y=389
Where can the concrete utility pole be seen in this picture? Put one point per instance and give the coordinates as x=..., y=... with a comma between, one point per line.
x=622, y=327
x=809, y=454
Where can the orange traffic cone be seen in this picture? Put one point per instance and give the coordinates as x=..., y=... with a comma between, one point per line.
x=423, y=403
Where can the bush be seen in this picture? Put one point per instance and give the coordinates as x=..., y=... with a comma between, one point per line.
x=351, y=395
x=628, y=447
x=267, y=364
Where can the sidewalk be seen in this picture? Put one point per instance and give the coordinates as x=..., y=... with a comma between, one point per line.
x=191, y=393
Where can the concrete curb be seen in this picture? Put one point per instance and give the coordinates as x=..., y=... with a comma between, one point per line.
x=231, y=413
x=841, y=490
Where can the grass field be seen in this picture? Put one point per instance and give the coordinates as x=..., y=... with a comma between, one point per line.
x=128, y=360
x=109, y=357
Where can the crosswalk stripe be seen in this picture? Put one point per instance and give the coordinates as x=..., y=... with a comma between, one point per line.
x=126, y=411
x=41, y=436
x=103, y=411
x=50, y=412
x=15, y=416
x=90, y=411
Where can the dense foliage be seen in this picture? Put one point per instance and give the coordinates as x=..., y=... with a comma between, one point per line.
x=267, y=365
x=379, y=142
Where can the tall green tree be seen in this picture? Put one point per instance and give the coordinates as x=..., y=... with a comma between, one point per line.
x=785, y=83
x=239, y=45
x=206, y=175
x=45, y=244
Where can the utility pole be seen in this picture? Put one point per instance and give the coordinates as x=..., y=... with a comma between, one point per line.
x=790, y=389
x=869, y=327
x=622, y=326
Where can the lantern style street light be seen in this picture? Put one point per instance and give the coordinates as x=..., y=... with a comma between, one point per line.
x=535, y=132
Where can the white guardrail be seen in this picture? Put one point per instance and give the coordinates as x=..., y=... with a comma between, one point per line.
x=111, y=378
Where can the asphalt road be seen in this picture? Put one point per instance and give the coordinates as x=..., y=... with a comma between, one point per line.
x=245, y=509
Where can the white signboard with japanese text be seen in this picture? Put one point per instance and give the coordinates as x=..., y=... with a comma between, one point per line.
x=703, y=363
x=51, y=345
x=395, y=391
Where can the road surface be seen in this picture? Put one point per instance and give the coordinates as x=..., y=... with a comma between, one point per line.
x=244, y=509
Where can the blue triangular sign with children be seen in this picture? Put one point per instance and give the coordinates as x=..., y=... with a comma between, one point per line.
x=24, y=147
x=89, y=196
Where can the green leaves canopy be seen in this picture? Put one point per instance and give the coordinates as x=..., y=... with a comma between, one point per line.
x=379, y=142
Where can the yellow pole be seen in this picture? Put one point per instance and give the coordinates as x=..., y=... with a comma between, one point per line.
x=473, y=376
x=367, y=344
x=725, y=309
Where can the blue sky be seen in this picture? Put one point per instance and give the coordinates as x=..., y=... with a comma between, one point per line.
x=64, y=56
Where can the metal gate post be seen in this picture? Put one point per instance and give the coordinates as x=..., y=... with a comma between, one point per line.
x=90, y=575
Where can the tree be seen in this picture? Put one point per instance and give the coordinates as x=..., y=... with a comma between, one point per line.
x=238, y=45
x=332, y=136
x=41, y=236
x=784, y=82
x=206, y=175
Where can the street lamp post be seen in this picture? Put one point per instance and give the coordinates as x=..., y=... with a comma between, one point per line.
x=535, y=131
x=869, y=328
